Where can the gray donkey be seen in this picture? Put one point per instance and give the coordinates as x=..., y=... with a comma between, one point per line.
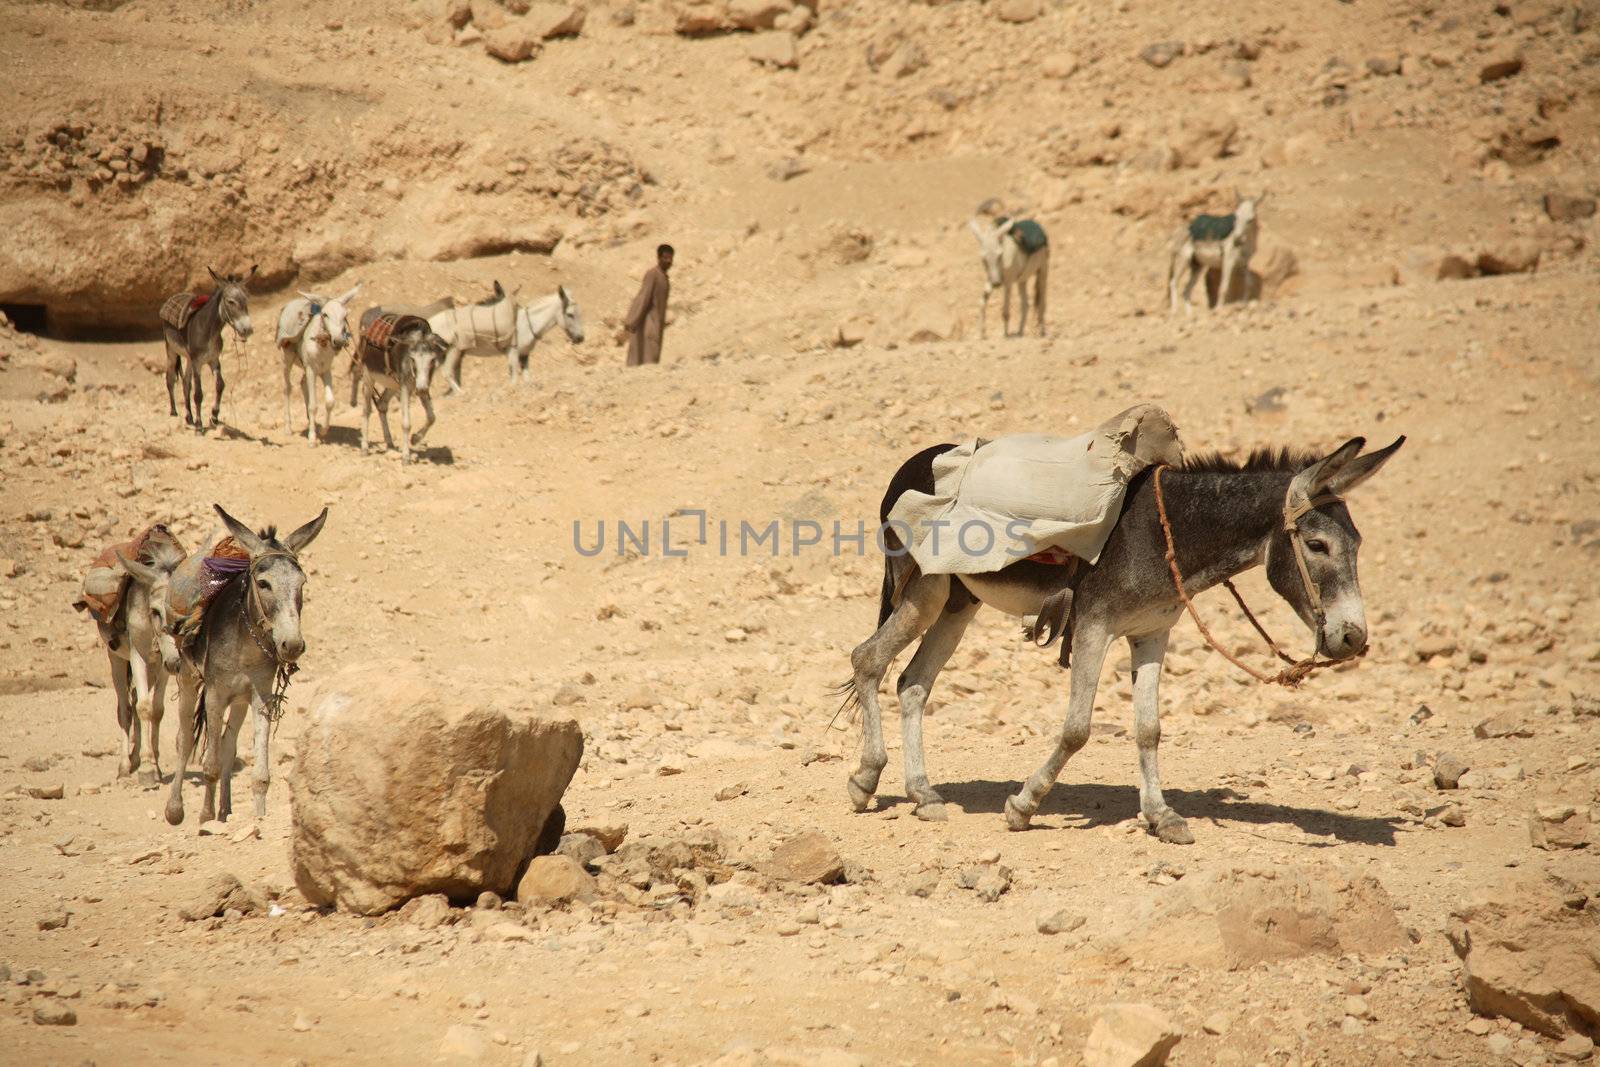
x=194, y=339
x=1282, y=510
x=249, y=642
x=396, y=353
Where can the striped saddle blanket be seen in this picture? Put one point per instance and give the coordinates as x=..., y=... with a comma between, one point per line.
x=198, y=580
x=375, y=349
x=179, y=308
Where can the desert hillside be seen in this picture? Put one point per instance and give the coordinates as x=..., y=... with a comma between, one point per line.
x=1368, y=846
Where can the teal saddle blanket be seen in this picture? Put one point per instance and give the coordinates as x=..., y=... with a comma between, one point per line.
x=1029, y=235
x=1211, y=227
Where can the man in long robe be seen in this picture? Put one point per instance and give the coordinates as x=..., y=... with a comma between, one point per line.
x=647, y=318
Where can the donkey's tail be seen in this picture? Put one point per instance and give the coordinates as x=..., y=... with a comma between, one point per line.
x=886, y=595
x=200, y=717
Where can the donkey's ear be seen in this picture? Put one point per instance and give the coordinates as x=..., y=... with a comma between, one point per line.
x=144, y=575
x=214, y=275
x=561, y=291
x=310, y=296
x=977, y=229
x=1361, y=468
x=249, y=274
x=349, y=294
x=241, y=533
x=1315, y=478
x=306, y=534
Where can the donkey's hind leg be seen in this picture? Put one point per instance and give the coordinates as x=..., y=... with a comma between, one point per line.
x=1089, y=644
x=1148, y=652
x=915, y=683
x=127, y=722
x=188, y=697
x=228, y=752
x=920, y=603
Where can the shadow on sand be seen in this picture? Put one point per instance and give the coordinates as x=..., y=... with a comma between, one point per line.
x=1086, y=806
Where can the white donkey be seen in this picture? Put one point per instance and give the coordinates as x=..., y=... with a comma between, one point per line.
x=141, y=648
x=311, y=331
x=480, y=330
x=1007, y=265
x=1222, y=243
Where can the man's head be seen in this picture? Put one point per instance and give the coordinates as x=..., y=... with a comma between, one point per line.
x=664, y=257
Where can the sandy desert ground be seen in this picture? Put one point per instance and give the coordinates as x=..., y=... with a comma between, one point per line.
x=824, y=328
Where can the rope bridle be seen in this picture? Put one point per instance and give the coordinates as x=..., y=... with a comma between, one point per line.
x=1297, y=670
x=254, y=621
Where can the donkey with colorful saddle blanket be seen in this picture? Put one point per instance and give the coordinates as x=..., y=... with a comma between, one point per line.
x=192, y=324
x=125, y=592
x=395, y=352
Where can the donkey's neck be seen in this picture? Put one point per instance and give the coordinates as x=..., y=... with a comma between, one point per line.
x=1221, y=522
x=538, y=318
x=229, y=622
x=210, y=316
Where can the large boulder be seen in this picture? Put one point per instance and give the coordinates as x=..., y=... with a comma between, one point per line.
x=404, y=786
x=1530, y=948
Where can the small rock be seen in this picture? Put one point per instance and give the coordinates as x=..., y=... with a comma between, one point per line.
x=512, y=43
x=611, y=835
x=1017, y=10
x=567, y=695
x=788, y=168
x=993, y=883
x=775, y=49
x=1479, y=1027
x=429, y=911
x=1130, y=1035
x=556, y=879
x=53, y=921
x=54, y=1013
x=488, y=901
x=1217, y=1023
x=1162, y=53
x=1560, y=207
x=302, y=1022
x=222, y=892
x=1554, y=826
x=214, y=828
x=729, y=792
x=1501, y=64
x=1058, y=922
x=584, y=849
x=1451, y=815
x=1574, y=1047
x=46, y=792
x=1357, y=1007
x=809, y=858
x=1447, y=771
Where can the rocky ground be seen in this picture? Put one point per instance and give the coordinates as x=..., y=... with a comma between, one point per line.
x=1356, y=839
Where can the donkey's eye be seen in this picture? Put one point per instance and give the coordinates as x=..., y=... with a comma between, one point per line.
x=262, y=583
x=1317, y=545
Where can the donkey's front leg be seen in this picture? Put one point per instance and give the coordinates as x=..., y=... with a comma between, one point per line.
x=427, y=410
x=511, y=363
x=211, y=768
x=1230, y=263
x=229, y=752
x=405, y=423
x=1005, y=310
x=1089, y=643
x=307, y=378
x=140, y=671
x=383, y=418
x=983, y=314
x=261, y=773
x=1148, y=652
x=916, y=683
x=219, y=384
x=1041, y=282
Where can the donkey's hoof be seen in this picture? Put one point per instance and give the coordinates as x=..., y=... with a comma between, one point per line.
x=124, y=768
x=174, y=813
x=1172, y=829
x=932, y=811
x=1016, y=818
x=860, y=799
x=149, y=778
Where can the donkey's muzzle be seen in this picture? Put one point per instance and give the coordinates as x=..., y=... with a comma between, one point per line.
x=1344, y=640
x=292, y=649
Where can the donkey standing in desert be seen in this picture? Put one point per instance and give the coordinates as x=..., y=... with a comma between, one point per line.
x=1008, y=265
x=311, y=331
x=1223, y=243
x=1280, y=510
x=192, y=326
x=479, y=330
x=248, y=643
x=396, y=353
